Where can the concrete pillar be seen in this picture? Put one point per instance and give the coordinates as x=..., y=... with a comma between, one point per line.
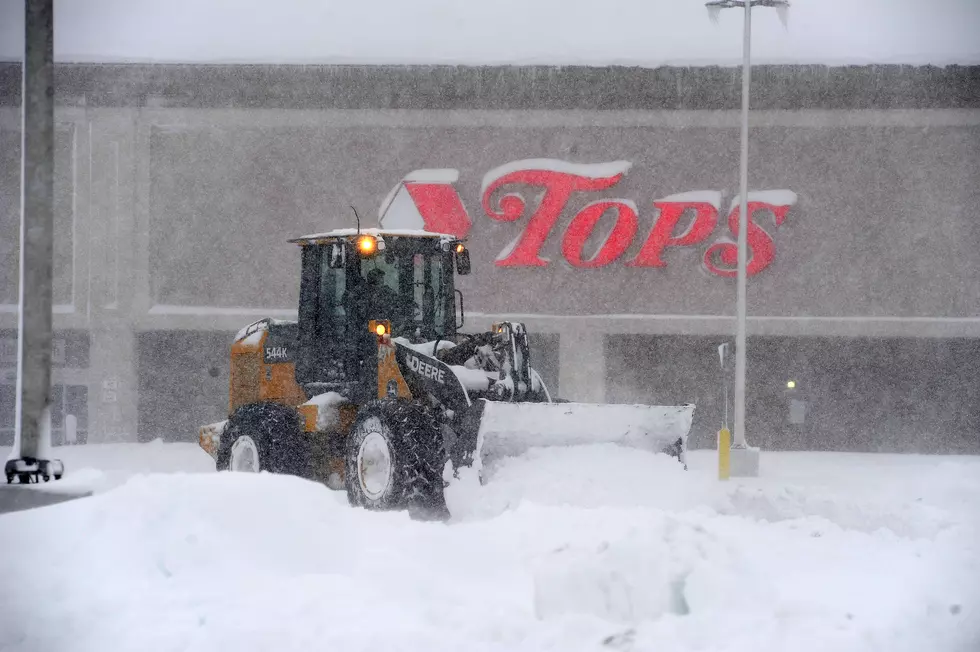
x=113, y=384
x=113, y=241
x=582, y=366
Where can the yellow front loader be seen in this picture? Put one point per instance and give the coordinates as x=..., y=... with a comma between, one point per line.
x=375, y=390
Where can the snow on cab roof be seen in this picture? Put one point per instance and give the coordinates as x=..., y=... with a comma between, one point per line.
x=394, y=233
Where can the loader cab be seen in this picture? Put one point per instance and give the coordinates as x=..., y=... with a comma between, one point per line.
x=350, y=278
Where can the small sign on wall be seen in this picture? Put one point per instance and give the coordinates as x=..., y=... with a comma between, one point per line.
x=110, y=390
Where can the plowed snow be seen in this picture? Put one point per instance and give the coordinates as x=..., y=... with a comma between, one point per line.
x=586, y=548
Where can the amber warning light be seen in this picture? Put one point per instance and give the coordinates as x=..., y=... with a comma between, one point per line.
x=367, y=244
x=379, y=328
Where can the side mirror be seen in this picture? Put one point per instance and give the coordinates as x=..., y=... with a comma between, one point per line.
x=337, y=256
x=462, y=261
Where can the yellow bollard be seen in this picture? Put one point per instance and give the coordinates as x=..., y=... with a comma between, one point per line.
x=724, y=453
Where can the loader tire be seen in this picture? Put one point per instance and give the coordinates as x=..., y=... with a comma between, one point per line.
x=394, y=459
x=271, y=434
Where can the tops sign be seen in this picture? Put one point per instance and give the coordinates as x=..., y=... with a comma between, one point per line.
x=428, y=199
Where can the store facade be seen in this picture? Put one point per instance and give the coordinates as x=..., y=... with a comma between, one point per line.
x=607, y=229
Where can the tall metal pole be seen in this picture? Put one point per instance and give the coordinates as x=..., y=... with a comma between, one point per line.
x=33, y=433
x=743, y=227
x=739, y=442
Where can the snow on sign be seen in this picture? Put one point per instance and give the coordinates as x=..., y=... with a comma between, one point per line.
x=428, y=199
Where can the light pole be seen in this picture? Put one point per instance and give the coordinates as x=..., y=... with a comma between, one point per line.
x=32, y=441
x=715, y=7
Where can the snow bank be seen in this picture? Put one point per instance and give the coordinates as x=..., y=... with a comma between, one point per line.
x=802, y=587
x=585, y=548
x=101, y=467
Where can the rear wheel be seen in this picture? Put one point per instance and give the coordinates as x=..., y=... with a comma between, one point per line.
x=394, y=459
x=264, y=437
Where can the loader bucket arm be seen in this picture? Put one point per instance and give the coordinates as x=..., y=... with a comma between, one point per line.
x=426, y=374
x=489, y=423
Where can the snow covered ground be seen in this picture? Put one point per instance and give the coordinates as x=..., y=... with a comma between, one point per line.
x=585, y=548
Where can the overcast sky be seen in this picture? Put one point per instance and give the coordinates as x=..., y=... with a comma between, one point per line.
x=594, y=32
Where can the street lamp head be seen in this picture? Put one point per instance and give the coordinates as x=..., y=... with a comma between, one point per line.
x=728, y=4
x=715, y=7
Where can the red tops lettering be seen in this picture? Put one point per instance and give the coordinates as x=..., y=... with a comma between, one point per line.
x=428, y=199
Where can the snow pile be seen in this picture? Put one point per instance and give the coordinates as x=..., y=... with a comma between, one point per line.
x=821, y=587
x=788, y=503
x=626, y=581
x=590, y=477
x=586, y=548
x=102, y=467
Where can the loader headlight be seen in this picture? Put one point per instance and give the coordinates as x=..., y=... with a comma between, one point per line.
x=460, y=248
x=791, y=384
x=367, y=245
x=380, y=329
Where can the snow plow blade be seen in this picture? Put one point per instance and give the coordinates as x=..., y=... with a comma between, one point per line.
x=509, y=429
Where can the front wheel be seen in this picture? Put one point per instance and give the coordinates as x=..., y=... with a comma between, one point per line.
x=264, y=437
x=394, y=459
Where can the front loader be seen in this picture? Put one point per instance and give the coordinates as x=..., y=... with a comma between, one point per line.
x=374, y=390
